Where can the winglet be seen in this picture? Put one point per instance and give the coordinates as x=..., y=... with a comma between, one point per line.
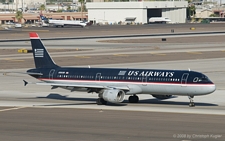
x=34, y=35
x=25, y=82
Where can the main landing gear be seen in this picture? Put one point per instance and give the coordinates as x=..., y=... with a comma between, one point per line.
x=191, y=104
x=101, y=101
x=133, y=99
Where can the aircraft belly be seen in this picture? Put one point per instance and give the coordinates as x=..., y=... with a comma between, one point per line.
x=195, y=90
x=176, y=89
x=156, y=89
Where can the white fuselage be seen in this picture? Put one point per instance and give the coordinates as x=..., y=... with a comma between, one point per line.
x=145, y=87
x=66, y=22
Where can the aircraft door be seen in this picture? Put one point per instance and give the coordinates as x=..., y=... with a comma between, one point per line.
x=51, y=73
x=184, y=78
x=98, y=77
x=144, y=80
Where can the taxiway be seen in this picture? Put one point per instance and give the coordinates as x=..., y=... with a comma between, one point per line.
x=38, y=113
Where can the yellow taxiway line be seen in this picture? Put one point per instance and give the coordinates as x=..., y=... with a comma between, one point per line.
x=30, y=30
x=82, y=57
x=120, y=55
x=194, y=52
x=157, y=54
x=8, y=59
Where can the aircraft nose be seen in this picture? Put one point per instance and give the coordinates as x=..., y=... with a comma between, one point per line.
x=212, y=88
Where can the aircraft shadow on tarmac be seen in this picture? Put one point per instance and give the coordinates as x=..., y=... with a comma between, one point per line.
x=61, y=97
x=56, y=96
x=158, y=101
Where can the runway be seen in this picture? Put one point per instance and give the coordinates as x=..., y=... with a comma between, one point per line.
x=62, y=115
x=208, y=102
x=92, y=51
x=36, y=112
x=98, y=125
x=51, y=32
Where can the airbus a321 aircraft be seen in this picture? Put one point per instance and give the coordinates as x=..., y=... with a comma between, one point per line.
x=112, y=84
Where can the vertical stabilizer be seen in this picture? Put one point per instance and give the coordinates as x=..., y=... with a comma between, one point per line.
x=42, y=58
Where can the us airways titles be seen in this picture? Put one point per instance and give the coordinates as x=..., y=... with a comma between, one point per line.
x=150, y=73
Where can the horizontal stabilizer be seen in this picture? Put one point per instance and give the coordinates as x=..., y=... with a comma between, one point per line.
x=34, y=73
x=29, y=73
x=25, y=82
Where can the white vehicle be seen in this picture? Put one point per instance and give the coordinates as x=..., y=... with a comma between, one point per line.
x=62, y=23
x=10, y=23
x=159, y=20
x=18, y=25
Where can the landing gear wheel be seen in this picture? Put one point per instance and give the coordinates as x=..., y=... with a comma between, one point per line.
x=101, y=101
x=133, y=99
x=191, y=104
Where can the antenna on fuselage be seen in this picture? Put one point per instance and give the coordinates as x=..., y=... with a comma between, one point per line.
x=189, y=69
x=89, y=66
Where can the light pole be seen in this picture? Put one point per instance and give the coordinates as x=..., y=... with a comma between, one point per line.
x=58, y=4
x=16, y=5
x=12, y=7
x=22, y=5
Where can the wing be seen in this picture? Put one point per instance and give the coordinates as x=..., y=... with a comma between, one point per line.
x=83, y=86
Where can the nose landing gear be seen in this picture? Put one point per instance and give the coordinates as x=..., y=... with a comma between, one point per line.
x=191, y=104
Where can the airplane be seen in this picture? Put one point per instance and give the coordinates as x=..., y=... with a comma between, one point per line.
x=112, y=84
x=61, y=23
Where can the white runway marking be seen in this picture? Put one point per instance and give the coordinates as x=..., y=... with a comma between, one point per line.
x=9, y=109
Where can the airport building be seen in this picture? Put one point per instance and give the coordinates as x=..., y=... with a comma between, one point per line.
x=20, y=4
x=138, y=12
x=32, y=18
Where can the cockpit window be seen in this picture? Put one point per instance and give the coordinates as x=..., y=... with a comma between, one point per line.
x=205, y=78
x=195, y=79
x=202, y=78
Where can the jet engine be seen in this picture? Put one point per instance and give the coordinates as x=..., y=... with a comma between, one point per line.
x=113, y=95
x=162, y=96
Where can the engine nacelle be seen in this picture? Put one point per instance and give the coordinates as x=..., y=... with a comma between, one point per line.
x=113, y=95
x=162, y=96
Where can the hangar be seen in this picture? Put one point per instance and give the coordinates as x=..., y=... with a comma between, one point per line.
x=139, y=12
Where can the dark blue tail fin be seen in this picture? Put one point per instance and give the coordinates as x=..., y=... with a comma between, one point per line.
x=41, y=57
